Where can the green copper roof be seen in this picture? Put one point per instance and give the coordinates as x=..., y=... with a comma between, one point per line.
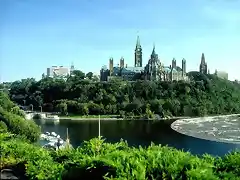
x=203, y=59
x=153, y=51
x=138, y=45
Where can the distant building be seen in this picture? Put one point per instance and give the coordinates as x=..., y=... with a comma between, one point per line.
x=124, y=71
x=237, y=81
x=104, y=73
x=221, y=74
x=154, y=70
x=72, y=68
x=57, y=72
x=203, y=65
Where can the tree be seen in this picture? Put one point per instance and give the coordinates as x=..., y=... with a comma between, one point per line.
x=204, y=95
x=78, y=74
x=95, y=78
x=89, y=75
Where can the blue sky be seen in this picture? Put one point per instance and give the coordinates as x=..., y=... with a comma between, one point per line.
x=36, y=34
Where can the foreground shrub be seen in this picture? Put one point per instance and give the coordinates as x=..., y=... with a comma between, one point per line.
x=37, y=161
x=228, y=166
x=13, y=117
x=5, y=102
x=96, y=159
x=3, y=127
x=18, y=125
x=118, y=161
x=16, y=110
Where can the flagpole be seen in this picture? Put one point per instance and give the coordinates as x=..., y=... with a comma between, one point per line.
x=99, y=127
x=67, y=140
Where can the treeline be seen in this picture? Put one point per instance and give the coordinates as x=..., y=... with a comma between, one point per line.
x=203, y=95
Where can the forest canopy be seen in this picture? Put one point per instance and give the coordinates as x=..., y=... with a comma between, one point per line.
x=81, y=95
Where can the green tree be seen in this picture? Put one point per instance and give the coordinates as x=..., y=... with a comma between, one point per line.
x=203, y=95
x=89, y=75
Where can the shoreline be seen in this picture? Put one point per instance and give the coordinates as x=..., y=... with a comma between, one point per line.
x=87, y=118
x=115, y=118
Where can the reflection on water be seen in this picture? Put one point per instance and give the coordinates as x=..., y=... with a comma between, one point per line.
x=136, y=133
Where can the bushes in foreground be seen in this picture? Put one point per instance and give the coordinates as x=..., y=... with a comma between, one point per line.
x=12, y=120
x=18, y=125
x=96, y=159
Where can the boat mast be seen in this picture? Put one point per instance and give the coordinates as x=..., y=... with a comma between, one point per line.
x=99, y=127
x=67, y=139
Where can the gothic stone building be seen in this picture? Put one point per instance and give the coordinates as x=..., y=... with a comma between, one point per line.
x=203, y=65
x=154, y=70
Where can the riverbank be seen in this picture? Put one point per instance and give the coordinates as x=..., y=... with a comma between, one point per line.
x=90, y=117
x=117, y=117
x=113, y=117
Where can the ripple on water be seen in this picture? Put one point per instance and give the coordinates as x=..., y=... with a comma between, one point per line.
x=218, y=128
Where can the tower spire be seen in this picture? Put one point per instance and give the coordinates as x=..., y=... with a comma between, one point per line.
x=72, y=68
x=203, y=65
x=203, y=59
x=138, y=53
x=138, y=45
x=153, y=51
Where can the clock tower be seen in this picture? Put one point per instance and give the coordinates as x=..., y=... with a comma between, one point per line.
x=138, y=54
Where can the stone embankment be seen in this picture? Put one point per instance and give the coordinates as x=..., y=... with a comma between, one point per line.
x=114, y=118
x=88, y=118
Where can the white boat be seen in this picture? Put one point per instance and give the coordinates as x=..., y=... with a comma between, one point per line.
x=55, y=145
x=54, y=134
x=52, y=140
x=51, y=118
x=28, y=116
x=51, y=137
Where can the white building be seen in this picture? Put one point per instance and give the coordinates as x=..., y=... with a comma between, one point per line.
x=221, y=74
x=57, y=71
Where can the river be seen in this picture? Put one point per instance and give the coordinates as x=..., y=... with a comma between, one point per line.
x=136, y=133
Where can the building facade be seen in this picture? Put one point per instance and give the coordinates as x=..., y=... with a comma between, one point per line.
x=57, y=72
x=154, y=69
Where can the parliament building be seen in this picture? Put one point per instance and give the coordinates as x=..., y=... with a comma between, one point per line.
x=153, y=70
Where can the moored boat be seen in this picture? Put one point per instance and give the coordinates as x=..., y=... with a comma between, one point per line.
x=51, y=119
x=53, y=140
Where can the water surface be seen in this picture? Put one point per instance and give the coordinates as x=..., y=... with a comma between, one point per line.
x=220, y=128
x=136, y=133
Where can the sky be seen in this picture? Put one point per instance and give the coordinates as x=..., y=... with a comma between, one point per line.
x=36, y=34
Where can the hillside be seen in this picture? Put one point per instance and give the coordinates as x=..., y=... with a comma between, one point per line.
x=12, y=120
x=204, y=95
